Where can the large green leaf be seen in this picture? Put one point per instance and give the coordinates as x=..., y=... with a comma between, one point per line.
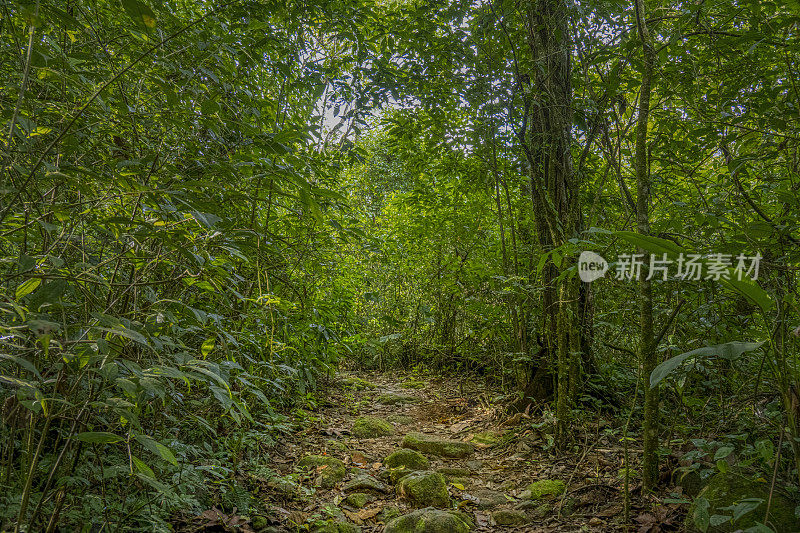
x=751, y=290
x=729, y=350
x=652, y=244
x=98, y=437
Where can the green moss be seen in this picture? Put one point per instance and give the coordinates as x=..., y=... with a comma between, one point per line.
x=730, y=490
x=333, y=470
x=423, y=489
x=434, y=446
x=370, y=426
x=546, y=489
x=411, y=459
x=414, y=384
x=430, y=521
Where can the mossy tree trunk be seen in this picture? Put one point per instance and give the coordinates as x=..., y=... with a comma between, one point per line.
x=554, y=188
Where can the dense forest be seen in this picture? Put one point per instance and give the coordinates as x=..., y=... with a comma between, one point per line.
x=400, y=265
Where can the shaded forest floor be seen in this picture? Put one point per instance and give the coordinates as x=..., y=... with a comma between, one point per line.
x=348, y=482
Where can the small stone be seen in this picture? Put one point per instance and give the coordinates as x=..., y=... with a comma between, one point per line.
x=430, y=521
x=365, y=483
x=423, y=489
x=594, y=521
x=330, y=470
x=434, y=446
x=546, y=489
x=358, y=499
x=506, y=517
x=367, y=427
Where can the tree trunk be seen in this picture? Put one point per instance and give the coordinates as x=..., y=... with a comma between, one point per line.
x=647, y=349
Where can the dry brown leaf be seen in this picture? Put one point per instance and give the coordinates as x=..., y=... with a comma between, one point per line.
x=365, y=514
x=353, y=517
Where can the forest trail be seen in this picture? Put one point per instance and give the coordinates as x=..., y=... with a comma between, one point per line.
x=480, y=470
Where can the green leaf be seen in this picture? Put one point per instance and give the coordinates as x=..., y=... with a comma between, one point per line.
x=142, y=15
x=718, y=519
x=27, y=287
x=98, y=437
x=723, y=452
x=701, y=518
x=729, y=350
x=142, y=467
x=207, y=346
x=750, y=290
x=157, y=448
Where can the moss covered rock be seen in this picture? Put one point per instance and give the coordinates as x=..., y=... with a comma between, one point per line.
x=689, y=480
x=507, y=517
x=546, y=489
x=727, y=494
x=423, y=489
x=453, y=471
x=488, y=438
x=336, y=527
x=365, y=483
x=434, y=446
x=489, y=499
x=400, y=419
x=396, y=399
x=388, y=513
x=358, y=499
x=367, y=427
x=411, y=459
x=357, y=383
x=413, y=384
x=330, y=471
x=430, y=521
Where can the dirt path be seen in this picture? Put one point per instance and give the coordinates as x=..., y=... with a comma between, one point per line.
x=481, y=471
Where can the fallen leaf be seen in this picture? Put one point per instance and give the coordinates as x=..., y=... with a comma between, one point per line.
x=365, y=514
